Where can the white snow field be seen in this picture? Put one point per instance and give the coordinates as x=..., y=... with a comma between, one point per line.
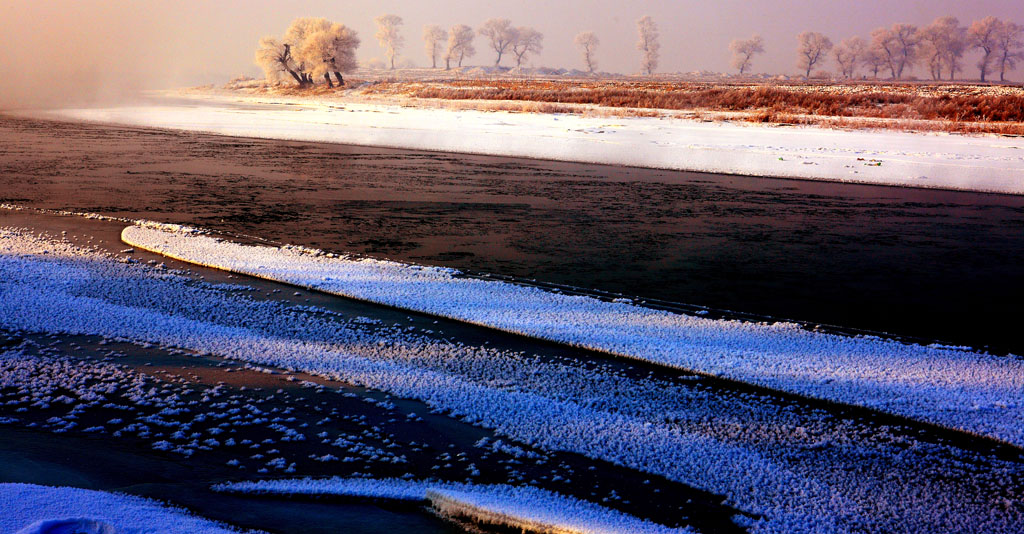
x=522, y=507
x=32, y=509
x=976, y=393
x=791, y=468
x=933, y=160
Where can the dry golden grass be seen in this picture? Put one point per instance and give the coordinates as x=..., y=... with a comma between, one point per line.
x=927, y=107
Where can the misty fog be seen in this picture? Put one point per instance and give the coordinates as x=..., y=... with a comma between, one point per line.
x=68, y=52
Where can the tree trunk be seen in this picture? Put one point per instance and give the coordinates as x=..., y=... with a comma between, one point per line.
x=327, y=76
x=341, y=81
x=496, y=63
x=448, y=63
x=296, y=76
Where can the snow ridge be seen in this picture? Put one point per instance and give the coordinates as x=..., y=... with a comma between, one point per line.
x=967, y=391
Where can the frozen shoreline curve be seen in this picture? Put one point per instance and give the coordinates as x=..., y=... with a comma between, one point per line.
x=984, y=163
x=967, y=391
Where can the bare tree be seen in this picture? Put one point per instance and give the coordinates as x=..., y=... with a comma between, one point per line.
x=388, y=36
x=813, y=49
x=648, y=44
x=983, y=34
x=460, y=45
x=1009, y=44
x=527, y=41
x=849, y=54
x=500, y=34
x=331, y=50
x=588, y=42
x=433, y=38
x=743, y=51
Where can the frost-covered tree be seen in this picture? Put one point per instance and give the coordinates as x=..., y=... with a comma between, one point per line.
x=812, y=50
x=875, y=60
x=388, y=36
x=744, y=50
x=500, y=35
x=296, y=35
x=899, y=44
x=433, y=39
x=883, y=46
x=984, y=35
x=943, y=43
x=330, y=50
x=310, y=47
x=588, y=43
x=849, y=54
x=648, y=44
x=908, y=41
x=275, y=58
x=1009, y=47
x=527, y=41
x=460, y=45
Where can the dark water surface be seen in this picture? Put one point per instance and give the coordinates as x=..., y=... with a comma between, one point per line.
x=934, y=264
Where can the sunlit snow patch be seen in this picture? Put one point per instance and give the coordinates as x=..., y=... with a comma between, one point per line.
x=976, y=393
x=525, y=508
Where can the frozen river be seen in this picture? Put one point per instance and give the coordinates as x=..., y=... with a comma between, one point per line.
x=928, y=263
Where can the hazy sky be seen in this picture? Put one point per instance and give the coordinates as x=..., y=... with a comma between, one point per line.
x=61, y=48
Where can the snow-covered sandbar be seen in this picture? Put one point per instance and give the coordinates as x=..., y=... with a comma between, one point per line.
x=955, y=388
x=523, y=507
x=988, y=163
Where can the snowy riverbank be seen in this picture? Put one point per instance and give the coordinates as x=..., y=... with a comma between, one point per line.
x=931, y=160
x=786, y=465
